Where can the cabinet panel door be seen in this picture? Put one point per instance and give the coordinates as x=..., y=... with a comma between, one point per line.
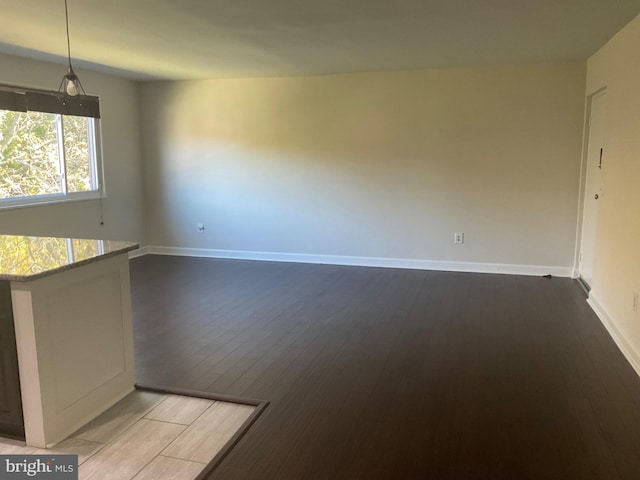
x=11, y=422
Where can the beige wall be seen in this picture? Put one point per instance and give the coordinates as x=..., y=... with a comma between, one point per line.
x=617, y=259
x=123, y=207
x=376, y=165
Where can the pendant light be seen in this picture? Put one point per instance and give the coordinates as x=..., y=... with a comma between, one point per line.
x=70, y=85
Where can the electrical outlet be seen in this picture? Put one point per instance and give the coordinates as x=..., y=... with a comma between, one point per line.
x=458, y=237
x=200, y=227
x=636, y=301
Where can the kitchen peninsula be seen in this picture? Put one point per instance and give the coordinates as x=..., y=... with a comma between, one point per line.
x=66, y=340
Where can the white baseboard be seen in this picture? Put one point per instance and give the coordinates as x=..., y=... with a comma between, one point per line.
x=630, y=353
x=511, y=269
x=139, y=252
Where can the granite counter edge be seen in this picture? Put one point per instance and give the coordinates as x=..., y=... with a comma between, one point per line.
x=35, y=276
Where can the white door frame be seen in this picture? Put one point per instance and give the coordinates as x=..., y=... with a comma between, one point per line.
x=583, y=178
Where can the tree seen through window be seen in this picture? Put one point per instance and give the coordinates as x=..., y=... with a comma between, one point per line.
x=45, y=154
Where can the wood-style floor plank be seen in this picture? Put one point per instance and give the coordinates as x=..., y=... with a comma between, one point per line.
x=131, y=451
x=179, y=409
x=118, y=418
x=165, y=468
x=205, y=437
x=73, y=446
x=386, y=373
x=8, y=446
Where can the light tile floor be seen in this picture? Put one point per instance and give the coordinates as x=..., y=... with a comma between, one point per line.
x=148, y=436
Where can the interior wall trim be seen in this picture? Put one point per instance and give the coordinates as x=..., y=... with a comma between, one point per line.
x=139, y=252
x=471, y=267
x=623, y=343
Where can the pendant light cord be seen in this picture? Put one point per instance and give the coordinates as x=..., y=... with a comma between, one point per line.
x=101, y=207
x=66, y=16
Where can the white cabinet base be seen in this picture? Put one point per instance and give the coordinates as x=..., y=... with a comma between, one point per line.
x=74, y=339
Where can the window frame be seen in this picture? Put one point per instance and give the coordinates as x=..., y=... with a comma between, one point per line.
x=96, y=170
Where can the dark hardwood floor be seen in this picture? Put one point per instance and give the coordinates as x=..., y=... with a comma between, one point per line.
x=393, y=374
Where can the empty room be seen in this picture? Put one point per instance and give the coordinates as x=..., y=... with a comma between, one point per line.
x=320, y=240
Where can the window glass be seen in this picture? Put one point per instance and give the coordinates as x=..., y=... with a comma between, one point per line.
x=76, y=149
x=29, y=154
x=44, y=156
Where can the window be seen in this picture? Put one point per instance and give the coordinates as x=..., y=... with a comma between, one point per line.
x=49, y=148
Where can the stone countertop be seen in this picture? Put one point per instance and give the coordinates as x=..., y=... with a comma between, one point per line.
x=29, y=258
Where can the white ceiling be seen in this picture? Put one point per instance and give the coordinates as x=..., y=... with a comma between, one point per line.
x=177, y=39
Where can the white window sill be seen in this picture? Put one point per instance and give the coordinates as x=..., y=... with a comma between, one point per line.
x=40, y=200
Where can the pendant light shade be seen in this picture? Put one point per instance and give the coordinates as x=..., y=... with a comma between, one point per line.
x=70, y=85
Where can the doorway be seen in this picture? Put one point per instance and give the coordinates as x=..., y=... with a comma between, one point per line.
x=593, y=189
